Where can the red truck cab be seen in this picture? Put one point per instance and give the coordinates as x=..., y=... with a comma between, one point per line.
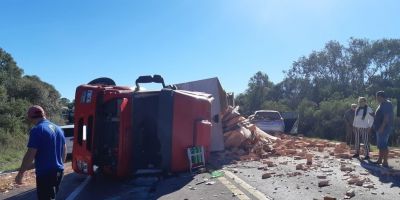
x=121, y=130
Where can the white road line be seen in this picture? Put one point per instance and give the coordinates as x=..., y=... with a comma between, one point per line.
x=252, y=190
x=78, y=190
x=239, y=194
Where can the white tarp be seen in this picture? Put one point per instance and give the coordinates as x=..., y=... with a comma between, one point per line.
x=211, y=86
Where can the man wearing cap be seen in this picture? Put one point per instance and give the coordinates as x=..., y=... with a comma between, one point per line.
x=349, y=118
x=46, y=146
x=383, y=125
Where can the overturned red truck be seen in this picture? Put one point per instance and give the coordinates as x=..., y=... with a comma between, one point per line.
x=121, y=130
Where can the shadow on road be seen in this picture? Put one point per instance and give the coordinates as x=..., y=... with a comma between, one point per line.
x=170, y=185
x=385, y=175
x=27, y=195
x=68, y=184
x=139, y=188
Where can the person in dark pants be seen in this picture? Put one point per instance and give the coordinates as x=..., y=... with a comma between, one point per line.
x=349, y=119
x=383, y=124
x=46, y=146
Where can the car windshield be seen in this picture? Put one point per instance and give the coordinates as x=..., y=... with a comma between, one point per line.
x=267, y=116
x=68, y=132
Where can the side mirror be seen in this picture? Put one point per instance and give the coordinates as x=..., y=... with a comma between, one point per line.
x=149, y=79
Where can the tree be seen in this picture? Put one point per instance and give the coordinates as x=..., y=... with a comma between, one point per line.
x=257, y=92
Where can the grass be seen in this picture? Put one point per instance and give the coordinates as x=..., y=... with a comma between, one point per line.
x=12, y=149
x=10, y=159
x=373, y=148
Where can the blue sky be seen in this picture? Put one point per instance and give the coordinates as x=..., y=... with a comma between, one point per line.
x=68, y=43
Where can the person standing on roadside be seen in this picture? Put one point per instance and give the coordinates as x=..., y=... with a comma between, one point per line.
x=349, y=118
x=383, y=124
x=362, y=124
x=46, y=147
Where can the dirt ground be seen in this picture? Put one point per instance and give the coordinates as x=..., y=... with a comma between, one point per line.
x=7, y=184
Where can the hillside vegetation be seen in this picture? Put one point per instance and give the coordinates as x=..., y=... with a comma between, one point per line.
x=17, y=93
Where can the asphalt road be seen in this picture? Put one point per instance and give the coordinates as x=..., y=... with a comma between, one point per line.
x=288, y=183
x=242, y=180
x=180, y=186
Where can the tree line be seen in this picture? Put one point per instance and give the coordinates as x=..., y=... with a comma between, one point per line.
x=323, y=84
x=17, y=93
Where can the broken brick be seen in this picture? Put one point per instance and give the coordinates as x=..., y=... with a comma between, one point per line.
x=360, y=182
x=344, y=168
x=293, y=174
x=350, y=194
x=268, y=163
x=321, y=176
x=297, y=158
x=353, y=181
x=344, y=155
x=299, y=167
x=290, y=151
x=283, y=163
x=266, y=175
x=323, y=183
x=320, y=145
x=309, y=158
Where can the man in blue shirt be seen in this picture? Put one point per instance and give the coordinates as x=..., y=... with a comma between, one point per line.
x=46, y=146
x=383, y=124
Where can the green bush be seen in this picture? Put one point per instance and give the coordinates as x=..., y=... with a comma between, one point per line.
x=325, y=120
x=275, y=105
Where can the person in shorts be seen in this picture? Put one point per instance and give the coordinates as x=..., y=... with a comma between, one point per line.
x=383, y=124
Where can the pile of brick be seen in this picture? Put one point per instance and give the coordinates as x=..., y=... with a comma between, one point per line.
x=250, y=143
x=244, y=137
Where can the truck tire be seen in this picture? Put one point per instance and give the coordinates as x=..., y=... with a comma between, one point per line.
x=102, y=81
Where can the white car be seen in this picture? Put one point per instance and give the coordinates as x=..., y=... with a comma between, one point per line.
x=69, y=137
x=268, y=120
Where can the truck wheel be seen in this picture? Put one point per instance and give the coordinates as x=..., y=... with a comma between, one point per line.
x=102, y=81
